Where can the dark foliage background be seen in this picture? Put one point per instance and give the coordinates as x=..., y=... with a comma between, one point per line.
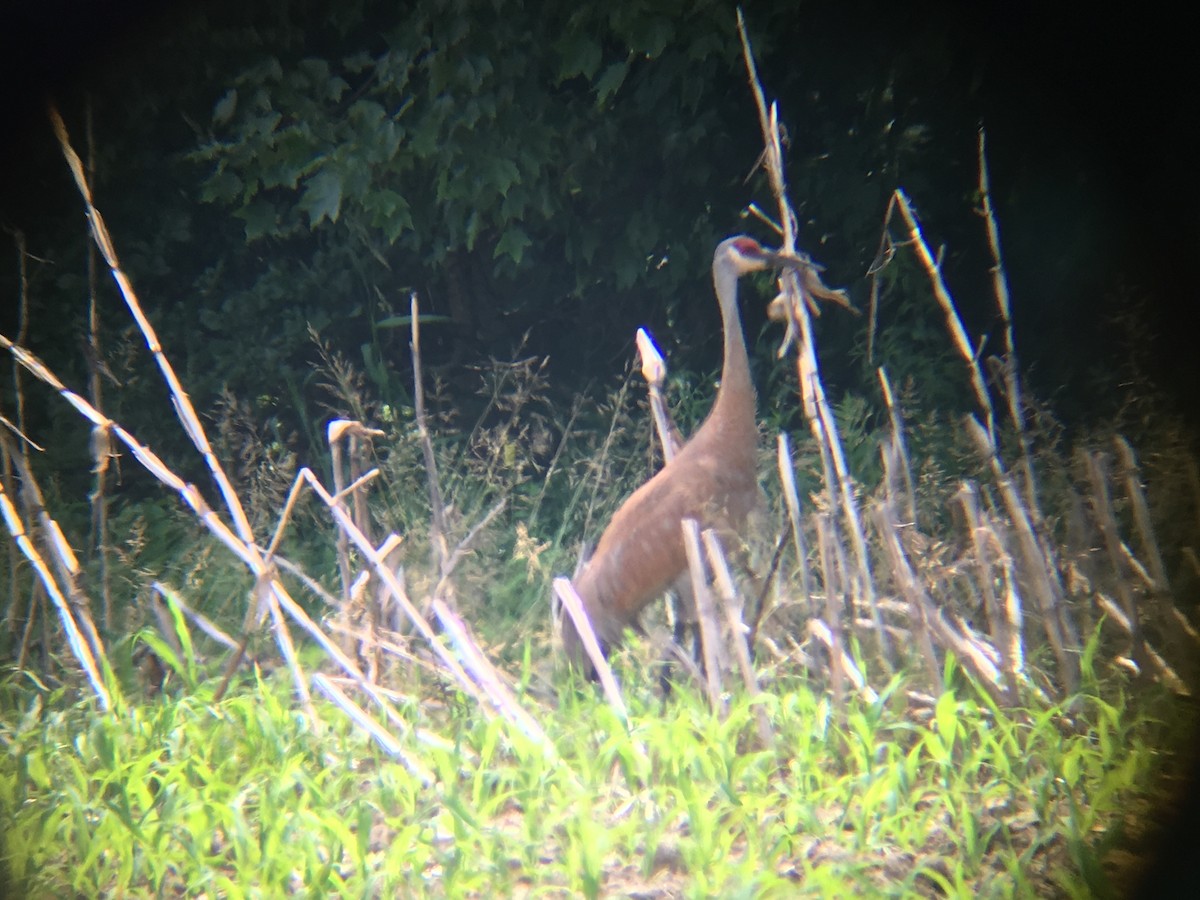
x=562, y=173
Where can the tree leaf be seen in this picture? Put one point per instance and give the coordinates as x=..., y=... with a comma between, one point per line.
x=225, y=107
x=322, y=197
x=259, y=217
x=223, y=186
x=512, y=244
x=580, y=55
x=611, y=80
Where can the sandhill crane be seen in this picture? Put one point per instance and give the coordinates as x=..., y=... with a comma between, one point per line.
x=712, y=480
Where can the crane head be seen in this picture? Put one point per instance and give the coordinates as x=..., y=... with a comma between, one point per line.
x=743, y=254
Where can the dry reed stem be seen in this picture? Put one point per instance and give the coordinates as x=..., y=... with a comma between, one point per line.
x=346, y=438
x=570, y=601
x=654, y=370
x=723, y=580
x=14, y=613
x=1005, y=621
x=842, y=661
x=198, y=619
x=909, y=496
x=918, y=601
x=1011, y=376
x=791, y=500
x=243, y=541
x=1152, y=659
x=181, y=402
x=359, y=717
x=490, y=678
x=710, y=639
x=826, y=535
x=437, y=507
x=144, y=455
x=268, y=589
x=277, y=594
x=942, y=294
x=1102, y=508
x=798, y=300
x=487, y=684
x=101, y=441
x=75, y=639
x=283, y=637
x=333, y=434
x=973, y=653
x=1141, y=516
x=1048, y=590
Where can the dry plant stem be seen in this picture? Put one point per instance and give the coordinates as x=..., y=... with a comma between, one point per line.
x=359, y=716
x=787, y=477
x=355, y=437
x=1038, y=567
x=1012, y=378
x=486, y=678
x=833, y=615
x=256, y=611
x=773, y=152
x=1141, y=516
x=490, y=679
x=798, y=301
x=183, y=405
x=437, y=508
x=333, y=434
x=819, y=630
x=772, y=570
x=1102, y=507
x=654, y=370
x=863, y=583
x=360, y=442
x=101, y=441
x=283, y=637
x=723, y=581
x=953, y=322
x=14, y=613
x=149, y=460
x=242, y=541
x=918, y=601
x=79, y=646
x=248, y=554
x=22, y=322
x=1005, y=620
x=909, y=508
x=1152, y=659
x=710, y=636
x=570, y=601
x=54, y=545
x=972, y=653
x=198, y=619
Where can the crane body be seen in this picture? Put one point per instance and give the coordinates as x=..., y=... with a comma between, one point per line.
x=712, y=479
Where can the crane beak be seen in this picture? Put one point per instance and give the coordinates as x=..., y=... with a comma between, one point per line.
x=798, y=262
x=814, y=288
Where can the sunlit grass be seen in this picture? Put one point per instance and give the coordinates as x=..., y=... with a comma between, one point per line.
x=248, y=798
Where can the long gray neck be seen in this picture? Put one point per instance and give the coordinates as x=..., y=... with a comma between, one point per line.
x=736, y=387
